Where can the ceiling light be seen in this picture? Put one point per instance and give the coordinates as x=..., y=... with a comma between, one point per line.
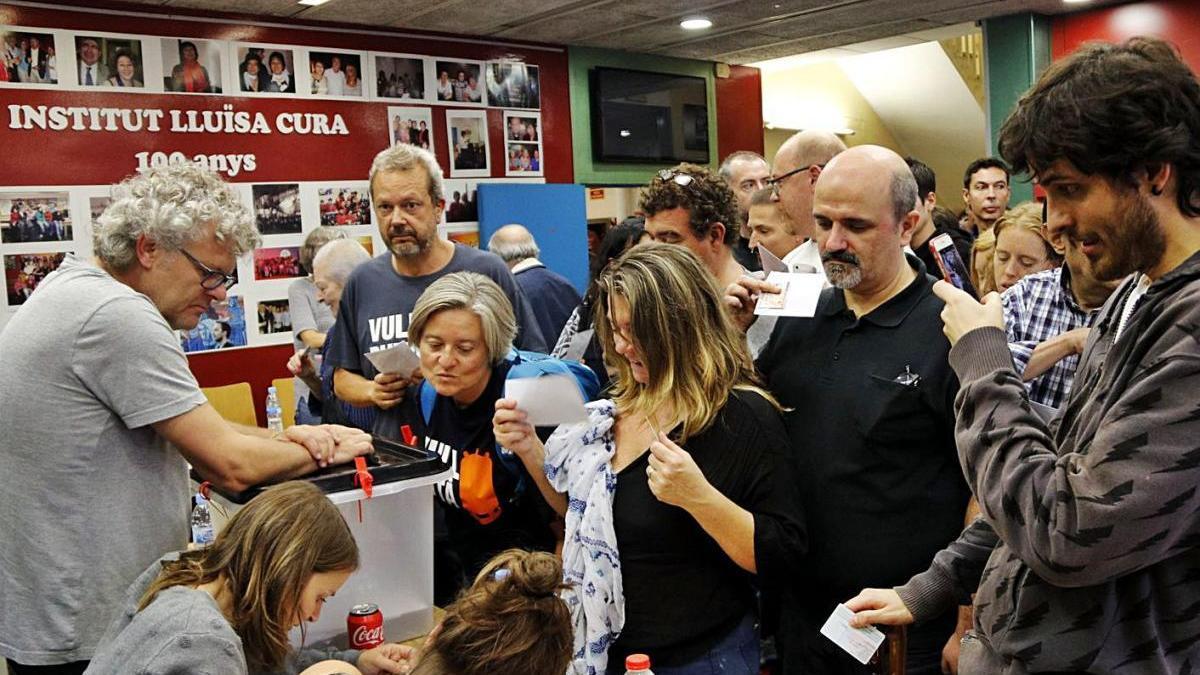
x=313, y=3
x=695, y=23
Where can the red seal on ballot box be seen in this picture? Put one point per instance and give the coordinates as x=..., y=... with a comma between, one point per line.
x=364, y=625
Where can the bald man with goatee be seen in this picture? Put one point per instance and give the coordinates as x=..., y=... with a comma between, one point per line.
x=869, y=399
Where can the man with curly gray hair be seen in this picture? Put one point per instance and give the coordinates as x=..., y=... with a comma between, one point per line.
x=101, y=414
x=408, y=197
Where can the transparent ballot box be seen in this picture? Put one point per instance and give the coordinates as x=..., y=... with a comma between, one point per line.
x=394, y=535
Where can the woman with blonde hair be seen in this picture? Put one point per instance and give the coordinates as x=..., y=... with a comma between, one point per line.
x=1021, y=246
x=676, y=491
x=510, y=621
x=983, y=278
x=228, y=608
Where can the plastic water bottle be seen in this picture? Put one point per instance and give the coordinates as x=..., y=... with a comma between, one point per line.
x=637, y=664
x=274, y=412
x=202, y=527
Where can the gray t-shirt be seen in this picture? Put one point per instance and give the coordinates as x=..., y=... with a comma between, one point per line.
x=182, y=631
x=307, y=313
x=377, y=303
x=90, y=493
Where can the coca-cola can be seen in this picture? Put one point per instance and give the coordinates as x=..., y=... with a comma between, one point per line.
x=364, y=625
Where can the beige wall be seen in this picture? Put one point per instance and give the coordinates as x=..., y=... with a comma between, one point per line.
x=825, y=89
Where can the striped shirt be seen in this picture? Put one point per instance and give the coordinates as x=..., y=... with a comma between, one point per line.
x=1039, y=307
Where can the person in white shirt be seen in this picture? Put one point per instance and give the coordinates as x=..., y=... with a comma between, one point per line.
x=335, y=77
x=91, y=71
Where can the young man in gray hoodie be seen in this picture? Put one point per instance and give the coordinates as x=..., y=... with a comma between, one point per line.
x=1087, y=556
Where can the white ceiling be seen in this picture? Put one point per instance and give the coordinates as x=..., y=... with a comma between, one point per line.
x=743, y=31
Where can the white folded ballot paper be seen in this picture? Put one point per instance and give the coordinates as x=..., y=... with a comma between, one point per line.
x=861, y=643
x=399, y=359
x=798, y=295
x=548, y=400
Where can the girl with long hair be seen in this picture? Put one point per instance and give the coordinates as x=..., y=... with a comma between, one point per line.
x=228, y=608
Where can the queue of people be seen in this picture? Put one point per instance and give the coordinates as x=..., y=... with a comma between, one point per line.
x=1012, y=476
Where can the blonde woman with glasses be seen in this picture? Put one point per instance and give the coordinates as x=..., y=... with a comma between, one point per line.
x=676, y=491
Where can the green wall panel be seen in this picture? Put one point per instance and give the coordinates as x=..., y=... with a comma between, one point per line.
x=583, y=59
x=1016, y=50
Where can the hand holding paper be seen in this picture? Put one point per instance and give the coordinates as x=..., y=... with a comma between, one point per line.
x=861, y=643
x=548, y=400
x=798, y=295
x=399, y=359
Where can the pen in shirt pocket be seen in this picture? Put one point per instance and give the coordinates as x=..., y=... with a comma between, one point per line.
x=908, y=378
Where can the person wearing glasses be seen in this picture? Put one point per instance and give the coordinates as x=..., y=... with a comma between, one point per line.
x=868, y=395
x=689, y=206
x=798, y=163
x=101, y=414
x=678, y=493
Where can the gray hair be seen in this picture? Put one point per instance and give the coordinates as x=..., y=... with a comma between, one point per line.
x=726, y=168
x=313, y=243
x=172, y=205
x=403, y=157
x=342, y=256
x=513, y=243
x=904, y=193
x=477, y=294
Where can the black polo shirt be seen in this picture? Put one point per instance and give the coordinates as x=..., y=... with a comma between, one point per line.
x=879, y=473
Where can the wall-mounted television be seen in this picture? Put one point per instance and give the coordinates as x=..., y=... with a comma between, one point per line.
x=639, y=116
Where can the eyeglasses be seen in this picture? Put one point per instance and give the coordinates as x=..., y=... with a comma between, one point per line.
x=210, y=279
x=774, y=181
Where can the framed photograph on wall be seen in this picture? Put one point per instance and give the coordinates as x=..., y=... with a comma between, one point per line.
x=222, y=325
x=398, y=76
x=109, y=61
x=344, y=205
x=522, y=143
x=24, y=271
x=266, y=69
x=280, y=262
x=274, y=317
x=412, y=125
x=460, y=82
x=337, y=74
x=461, y=202
x=277, y=208
x=35, y=216
x=192, y=66
x=29, y=57
x=466, y=131
x=513, y=85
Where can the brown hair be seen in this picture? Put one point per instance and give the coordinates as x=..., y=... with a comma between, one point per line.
x=1112, y=110
x=509, y=622
x=670, y=294
x=266, y=554
x=706, y=197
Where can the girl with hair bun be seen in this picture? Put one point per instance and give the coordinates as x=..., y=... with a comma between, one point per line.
x=509, y=622
x=228, y=608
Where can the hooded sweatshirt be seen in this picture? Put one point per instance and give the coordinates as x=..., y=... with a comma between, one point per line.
x=1091, y=528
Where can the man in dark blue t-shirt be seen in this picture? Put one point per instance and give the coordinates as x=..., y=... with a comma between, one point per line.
x=408, y=199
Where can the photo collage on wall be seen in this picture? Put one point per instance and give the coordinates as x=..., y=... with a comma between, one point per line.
x=41, y=225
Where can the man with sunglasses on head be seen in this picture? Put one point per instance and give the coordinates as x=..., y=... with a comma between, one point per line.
x=101, y=415
x=689, y=206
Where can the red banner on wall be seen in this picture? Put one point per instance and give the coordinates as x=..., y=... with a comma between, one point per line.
x=103, y=137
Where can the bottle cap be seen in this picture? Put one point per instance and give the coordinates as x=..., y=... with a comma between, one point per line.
x=271, y=389
x=637, y=662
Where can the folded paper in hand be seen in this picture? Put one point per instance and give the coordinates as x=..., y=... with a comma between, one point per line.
x=548, y=400
x=861, y=643
x=798, y=295
x=399, y=359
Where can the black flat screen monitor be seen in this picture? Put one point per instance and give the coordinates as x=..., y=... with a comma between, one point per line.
x=639, y=116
